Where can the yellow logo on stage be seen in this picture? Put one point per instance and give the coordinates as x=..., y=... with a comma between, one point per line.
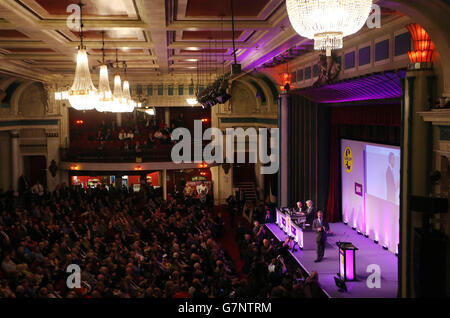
x=348, y=159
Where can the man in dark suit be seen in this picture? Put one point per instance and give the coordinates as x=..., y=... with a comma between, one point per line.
x=299, y=208
x=321, y=227
x=391, y=185
x=310, y=212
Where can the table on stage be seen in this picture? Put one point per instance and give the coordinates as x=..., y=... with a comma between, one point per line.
x=304, y=238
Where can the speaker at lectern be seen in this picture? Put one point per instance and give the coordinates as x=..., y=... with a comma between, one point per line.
x=347, y=260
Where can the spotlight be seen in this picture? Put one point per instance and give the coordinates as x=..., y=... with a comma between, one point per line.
x=385, y=247
x=366, y=235
x=359, y=232
x=396, y=254
x=375, y=241
x=216, y=93
x=345, y=222
x=340, y=283
x=223, y=99
x=353, y=227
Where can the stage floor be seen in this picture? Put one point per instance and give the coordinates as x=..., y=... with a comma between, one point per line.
x=368, y=253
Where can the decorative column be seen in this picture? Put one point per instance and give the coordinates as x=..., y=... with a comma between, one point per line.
x=167, y=116
x=53, y=179
x=259, y=181
x=64, y=125
x=119, y=120
x=164, y=183
x=118, y=181
x=15, y=160
x=283, y=190
x=416, y=155
x=5, y=160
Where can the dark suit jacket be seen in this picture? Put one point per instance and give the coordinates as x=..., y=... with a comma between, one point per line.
x=320, y=235
x=296, y=209
x=390, y=185
x=310, y=214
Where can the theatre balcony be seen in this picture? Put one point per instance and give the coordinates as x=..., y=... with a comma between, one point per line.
x=135, y=137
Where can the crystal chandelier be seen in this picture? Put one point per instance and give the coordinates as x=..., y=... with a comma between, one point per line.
x=117, y=95
x=150, y=111
x=192, y=100
x=118, y=90
x=128, y=104
x=82, y=94
x=327, y=21
x=105, y=99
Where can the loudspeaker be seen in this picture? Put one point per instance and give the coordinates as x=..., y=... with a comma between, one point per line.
x=236, y=69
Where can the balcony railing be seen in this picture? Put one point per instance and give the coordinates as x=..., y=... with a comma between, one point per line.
x=90, y=153
x=160, y=153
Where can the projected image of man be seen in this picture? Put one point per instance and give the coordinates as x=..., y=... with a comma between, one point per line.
x=392, y=185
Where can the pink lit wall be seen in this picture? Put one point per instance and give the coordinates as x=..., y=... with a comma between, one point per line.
x=365, y=205
x=352, y=203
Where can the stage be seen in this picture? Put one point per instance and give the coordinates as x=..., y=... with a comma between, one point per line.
x=368, y=253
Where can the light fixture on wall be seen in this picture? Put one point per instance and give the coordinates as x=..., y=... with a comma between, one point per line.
x=327, y=22
x=82, y=94
x=423, y=46
x=62, y=95
x=286, y=79
x=192, y=101
x=151, y=111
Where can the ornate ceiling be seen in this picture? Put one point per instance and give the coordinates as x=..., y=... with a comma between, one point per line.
x=154, y=36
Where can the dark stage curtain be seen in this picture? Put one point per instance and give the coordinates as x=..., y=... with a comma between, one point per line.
x=371, y=123
x=307, y=141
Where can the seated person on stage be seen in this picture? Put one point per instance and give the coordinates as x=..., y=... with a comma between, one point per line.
x=299, y=207
x=310, y=212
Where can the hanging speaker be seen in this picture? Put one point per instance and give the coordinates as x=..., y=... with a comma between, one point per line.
x=236, y=69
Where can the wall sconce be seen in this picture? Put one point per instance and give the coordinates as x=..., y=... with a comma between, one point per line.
x=285, y=81
x=423, y=46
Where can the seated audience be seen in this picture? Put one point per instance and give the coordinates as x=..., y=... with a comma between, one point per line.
x=127, y=244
